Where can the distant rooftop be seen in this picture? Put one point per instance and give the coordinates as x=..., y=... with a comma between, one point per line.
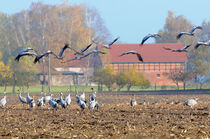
x=149, y=52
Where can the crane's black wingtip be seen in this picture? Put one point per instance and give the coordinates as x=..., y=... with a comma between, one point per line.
x=196, y=47
x=17, y=58
x=35, y=61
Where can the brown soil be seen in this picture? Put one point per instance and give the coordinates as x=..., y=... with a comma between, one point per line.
x=114, y=119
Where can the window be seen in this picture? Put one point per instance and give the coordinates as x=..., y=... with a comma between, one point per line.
x=158, y=75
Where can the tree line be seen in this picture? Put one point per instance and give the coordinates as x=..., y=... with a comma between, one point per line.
x=45, y=27
x=118, y=80
x=198, y=60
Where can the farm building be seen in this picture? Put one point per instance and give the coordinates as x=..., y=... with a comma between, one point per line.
x=76, y=72
x=156, y=59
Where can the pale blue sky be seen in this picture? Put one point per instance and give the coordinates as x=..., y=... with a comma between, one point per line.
x=130, y=19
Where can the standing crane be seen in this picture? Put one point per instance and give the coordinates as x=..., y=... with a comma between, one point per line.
x=3, y=101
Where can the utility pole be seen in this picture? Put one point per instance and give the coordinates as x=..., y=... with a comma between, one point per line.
x=43, y=70
x=43, y=26
x=49, y=75
x=89, y=22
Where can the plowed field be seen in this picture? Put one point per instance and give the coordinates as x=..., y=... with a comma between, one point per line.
x=114, y=119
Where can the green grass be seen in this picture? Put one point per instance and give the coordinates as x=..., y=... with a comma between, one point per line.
x=54, y=89
x=80, y=88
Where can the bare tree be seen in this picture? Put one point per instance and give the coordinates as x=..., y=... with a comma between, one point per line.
x=177, y=76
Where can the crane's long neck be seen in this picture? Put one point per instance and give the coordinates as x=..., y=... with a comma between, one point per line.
x=61, y=95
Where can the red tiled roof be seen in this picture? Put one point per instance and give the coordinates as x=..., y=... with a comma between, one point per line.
x=149, y=52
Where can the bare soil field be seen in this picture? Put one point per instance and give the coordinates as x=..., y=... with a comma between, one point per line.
x=114, y=119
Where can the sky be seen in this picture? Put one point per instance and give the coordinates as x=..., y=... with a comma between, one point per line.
x=130, y=19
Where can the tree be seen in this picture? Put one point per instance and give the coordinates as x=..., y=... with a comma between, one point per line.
x=104, y=76
x=108, y=78
x=177, y=76
x=202, y=57
x=202, y=80
x=98, y=78
x=132, y=78
x=53, y=25
x=201, y=70
x=47, y=27
x=136, y=79
x=121, y=79
x=7, y=37
x=142, y=81
x=98, y=30
x=5, y=74
x=174, y=25
x=24, y=71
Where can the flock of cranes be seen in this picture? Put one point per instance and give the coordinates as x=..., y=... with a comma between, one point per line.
x=54, y=102
x=79, y=54
x=189, y=102
x=64, y=102
x=184, y=49
x=82, y=53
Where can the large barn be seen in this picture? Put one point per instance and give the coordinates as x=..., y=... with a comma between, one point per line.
x=156, y=59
